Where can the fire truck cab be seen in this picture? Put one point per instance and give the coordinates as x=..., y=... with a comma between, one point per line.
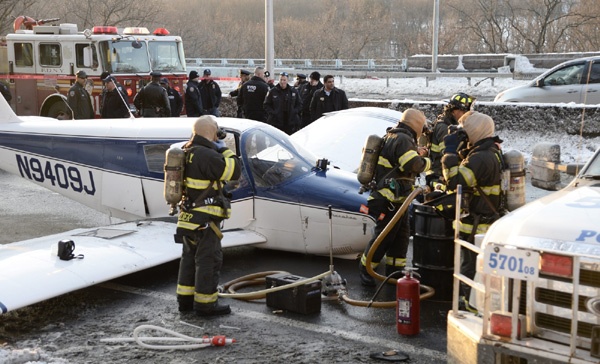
x=42, y=63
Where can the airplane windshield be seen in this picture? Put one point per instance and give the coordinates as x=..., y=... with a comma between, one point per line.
x=273, y=158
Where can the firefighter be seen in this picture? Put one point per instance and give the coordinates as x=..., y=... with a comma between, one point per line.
x=79, y=99
x=209, y=165
x=400, y=161
x=244, y=77
x=114, y=100
x=457, y=106
x=193, y=101
x=152, y=100
x=472, y=159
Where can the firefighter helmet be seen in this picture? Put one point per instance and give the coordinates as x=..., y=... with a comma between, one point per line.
x=461, y=101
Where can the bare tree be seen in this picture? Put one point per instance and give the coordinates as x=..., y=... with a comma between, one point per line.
x=9, y=10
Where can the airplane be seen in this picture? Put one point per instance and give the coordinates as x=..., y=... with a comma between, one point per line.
x=282, y=201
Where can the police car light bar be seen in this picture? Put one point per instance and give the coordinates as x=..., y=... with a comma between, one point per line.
x=104, y=30
x=136, y=30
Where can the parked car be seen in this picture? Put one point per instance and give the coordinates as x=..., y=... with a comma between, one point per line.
x=575, y=81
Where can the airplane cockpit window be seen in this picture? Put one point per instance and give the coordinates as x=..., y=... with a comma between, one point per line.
x=156, y=153
x=155, y=156
x=274, y=159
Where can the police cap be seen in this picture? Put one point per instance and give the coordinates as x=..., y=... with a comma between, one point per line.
x=164, y=81
x=206, y=72
x=81, y=74
x=155, y=74
x=301, y=76
x=104, y=74
x=244, y=72
x=193, y=74
x=109, y=78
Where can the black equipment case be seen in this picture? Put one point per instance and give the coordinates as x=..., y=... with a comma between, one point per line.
x=305, y=299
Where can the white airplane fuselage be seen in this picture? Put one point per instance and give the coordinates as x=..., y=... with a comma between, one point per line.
x=116, y=166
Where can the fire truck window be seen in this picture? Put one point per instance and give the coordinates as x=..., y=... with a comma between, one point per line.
x=165, y=56
x=86, y=56
x=23, y=54
x=50, y=55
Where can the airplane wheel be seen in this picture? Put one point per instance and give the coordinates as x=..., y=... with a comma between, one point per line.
x=59, y=110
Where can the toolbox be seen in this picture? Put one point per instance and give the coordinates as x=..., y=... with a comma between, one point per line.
x=305, y=299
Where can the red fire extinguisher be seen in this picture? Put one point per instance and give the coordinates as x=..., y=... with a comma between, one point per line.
x=408, y=304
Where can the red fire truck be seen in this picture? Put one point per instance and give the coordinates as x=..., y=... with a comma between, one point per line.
x=40, y=62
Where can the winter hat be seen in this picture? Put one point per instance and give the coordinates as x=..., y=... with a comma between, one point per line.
x=206, y=126
x=193, y=74
x=477, y=125
x=415, y=119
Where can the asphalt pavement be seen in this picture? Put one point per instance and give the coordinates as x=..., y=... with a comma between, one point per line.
x=73, y=328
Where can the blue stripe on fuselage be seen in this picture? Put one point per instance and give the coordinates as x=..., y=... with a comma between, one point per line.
x=122, y=155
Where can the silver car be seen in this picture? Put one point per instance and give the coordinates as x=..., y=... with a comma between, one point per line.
x=575, y=81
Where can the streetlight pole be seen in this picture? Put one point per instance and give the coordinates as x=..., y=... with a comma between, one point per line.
x=269, y=38
x=436, y=31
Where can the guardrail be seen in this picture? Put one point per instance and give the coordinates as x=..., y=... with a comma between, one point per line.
x=354, y=68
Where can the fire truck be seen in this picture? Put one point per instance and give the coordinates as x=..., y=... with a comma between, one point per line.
x=40, y=62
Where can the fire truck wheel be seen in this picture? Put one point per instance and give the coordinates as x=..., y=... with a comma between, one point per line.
x=58, y=110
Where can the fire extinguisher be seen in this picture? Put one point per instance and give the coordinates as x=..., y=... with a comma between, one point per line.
x=408, y=304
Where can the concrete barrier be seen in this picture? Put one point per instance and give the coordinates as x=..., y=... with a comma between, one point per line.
x=565, y=118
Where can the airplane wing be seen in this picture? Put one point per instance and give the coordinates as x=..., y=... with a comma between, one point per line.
x=31, y=271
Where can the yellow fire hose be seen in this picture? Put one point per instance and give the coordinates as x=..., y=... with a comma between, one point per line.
x=429, y=291
x=259, y=278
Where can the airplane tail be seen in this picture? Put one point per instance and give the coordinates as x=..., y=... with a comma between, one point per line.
x=7, y=115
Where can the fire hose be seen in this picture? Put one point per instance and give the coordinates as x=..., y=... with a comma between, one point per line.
x=259, y=278
x=192, y=342
x=429, y=291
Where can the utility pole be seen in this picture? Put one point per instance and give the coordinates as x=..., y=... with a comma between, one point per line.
x=436, y=31
x=269, y=38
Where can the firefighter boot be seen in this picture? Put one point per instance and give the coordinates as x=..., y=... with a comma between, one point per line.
x=389, y=269
x=186, y=303
x=365, y=278
x=211, y=309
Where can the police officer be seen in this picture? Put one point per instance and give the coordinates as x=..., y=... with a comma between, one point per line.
x=472, y=159
x=252, y=96
x=327, y=99
x=209, y=164
x=193, y=101
x=400, y=161
x=210, y=92
x=283, y=105
x=5, y=92
x=114, y=100
x=244, y=77
x=152, y=100
x=306, y=94
x=79, y=99
x=175, y=100
x=457, y=106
